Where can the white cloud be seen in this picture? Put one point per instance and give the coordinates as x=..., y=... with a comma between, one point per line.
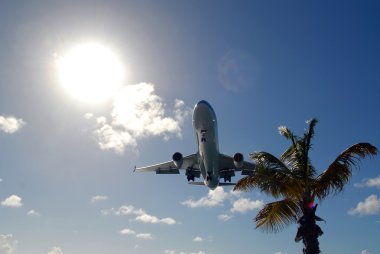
x=183, y=252
x=98, y=198
x=12, y=201
x=127, y=231
x=224, y=217
x=7, y=244
x=145, y=236
x=147, y=218
x=372, y=182
x=280, y=252
x=371, y=205
x=141, y=215
x=244, y=205
x=365, y=252
x=88, y=116
x=10, y=124
x=138, y=113
x=123, y=210
x=198, y=239
x=55, y=250
x=33, y=213
x=214, y=198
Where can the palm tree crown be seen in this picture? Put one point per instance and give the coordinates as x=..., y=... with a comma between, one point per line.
x=293, y=179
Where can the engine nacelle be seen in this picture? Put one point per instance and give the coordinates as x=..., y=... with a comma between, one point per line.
x=177, y=159
x=238, y=160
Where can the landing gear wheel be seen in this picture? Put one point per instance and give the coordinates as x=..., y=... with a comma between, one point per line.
x=227, y=179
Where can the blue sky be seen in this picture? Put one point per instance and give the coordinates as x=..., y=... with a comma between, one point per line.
x=67, y=184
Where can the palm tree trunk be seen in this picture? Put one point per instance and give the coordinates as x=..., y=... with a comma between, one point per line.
x=309, y=232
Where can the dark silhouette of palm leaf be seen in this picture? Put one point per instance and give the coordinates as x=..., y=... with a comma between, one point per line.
x=340, y=171
x=271, y=176
x=277, y=215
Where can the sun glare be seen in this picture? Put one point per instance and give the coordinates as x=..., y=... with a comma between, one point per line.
x=90, y=72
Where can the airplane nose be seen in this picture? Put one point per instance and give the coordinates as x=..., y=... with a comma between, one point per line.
x=203, y=102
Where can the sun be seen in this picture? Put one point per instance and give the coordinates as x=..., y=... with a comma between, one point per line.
x=90, y=72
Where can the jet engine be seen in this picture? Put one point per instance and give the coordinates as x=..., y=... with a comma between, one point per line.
x=238, y=160
x=177, y=159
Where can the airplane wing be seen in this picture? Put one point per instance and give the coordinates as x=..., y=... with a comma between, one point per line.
x=190, y=161
x=227, y=162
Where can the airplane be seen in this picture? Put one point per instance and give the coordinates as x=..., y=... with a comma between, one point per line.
x=207, y=162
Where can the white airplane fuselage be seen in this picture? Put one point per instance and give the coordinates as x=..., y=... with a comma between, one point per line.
x=206, y=129
x=207, y=162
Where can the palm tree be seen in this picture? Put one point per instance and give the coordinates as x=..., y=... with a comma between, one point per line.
x=293, y=179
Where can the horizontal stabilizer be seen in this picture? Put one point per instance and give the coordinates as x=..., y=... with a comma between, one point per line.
x=220, y=184
x=167, y=171
x=197, y=183
x=226, y=184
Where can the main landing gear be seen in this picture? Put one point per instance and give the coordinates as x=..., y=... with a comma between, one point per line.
x=227, y=179
x=190, y=178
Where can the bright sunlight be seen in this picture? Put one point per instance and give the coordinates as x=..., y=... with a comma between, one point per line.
x=90, y=72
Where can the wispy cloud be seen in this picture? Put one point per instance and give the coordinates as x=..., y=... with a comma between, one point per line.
x=214, y=198
x=147, y=218
x=280, y=252
x=12, y=201
x=183, y=252
x=138, y=113
x=122, y=210
x=218, y=197
x=371, y=205
x=56, y=250
x=145, y=236
x=372, y=182
x=224, y=217
x=98, y=198
x=7, y=244
x=10, y=124
x=33, y=213
x=244, y=205
x=127, y=231
x=140, y=214
x=198, y=239
x=365, y=252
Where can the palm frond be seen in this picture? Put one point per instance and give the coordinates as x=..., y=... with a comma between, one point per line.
x=271, y=176
x=340, y=171
x=284, y=131
x=310, y=133
x=277, y=215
